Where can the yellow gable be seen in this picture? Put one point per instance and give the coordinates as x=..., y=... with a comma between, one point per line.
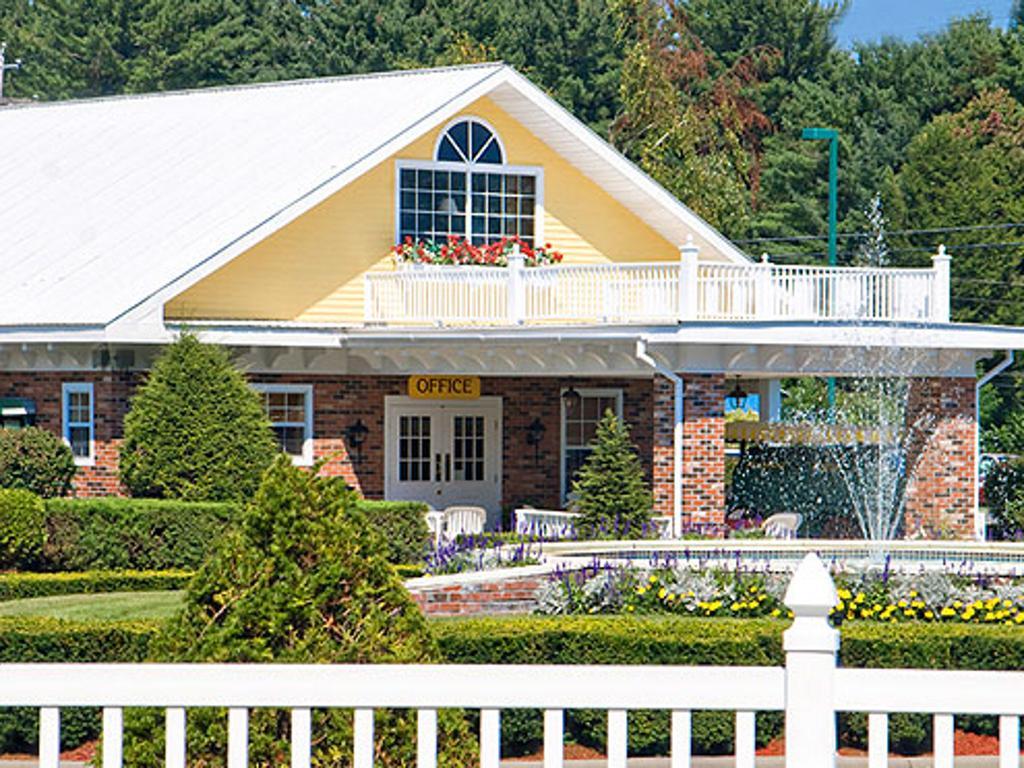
x=311, y=270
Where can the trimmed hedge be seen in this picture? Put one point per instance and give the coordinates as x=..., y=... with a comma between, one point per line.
x=21, y=528
x=19, y=586
x=403, y=524
x=718, y=641
x=51, y=640
x=36, y=460
x=144, y=534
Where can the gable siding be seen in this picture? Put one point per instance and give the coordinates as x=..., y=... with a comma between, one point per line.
x=312, y=269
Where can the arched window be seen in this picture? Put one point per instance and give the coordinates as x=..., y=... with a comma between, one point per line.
x=469, y=141
x=468, y=190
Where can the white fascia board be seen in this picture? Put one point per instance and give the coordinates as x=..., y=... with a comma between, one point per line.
x=292, y=210
x=658, y=194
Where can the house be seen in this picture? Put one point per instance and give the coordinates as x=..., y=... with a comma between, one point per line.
x=264, y=216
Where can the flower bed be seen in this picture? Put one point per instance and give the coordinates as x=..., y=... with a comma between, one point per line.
x=483, y=552
x=458, y=251
x=874, y=595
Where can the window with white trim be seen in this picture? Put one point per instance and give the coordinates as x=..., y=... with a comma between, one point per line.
x=579, y=426
x=78, y=422
x=289, y=407
x=468, y=191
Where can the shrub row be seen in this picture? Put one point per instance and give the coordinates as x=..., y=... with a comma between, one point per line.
x=112, y=533
x=18, y=586
x=49, y=640
x=144, y=534
x=686, y=641
x=403, y=524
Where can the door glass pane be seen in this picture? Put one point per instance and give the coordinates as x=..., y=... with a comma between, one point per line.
x=414, y=448
x=468, y=448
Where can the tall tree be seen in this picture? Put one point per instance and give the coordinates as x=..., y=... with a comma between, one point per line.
x=687, y=117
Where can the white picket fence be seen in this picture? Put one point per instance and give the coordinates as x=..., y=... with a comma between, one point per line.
x=660, y=292
x=809, y=689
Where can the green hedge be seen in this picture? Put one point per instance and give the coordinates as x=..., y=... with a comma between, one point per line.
x=18, y=586
x=51, y=640
x=403, y=524
x=719, y=641
x=143, y=534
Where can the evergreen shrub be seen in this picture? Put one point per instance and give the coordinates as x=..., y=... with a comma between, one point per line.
x=402, y=525
x=36, y=460
x=196, y=430
x=302, y=578
x=22, y=529
x=137, y=534
x=1004, y=497
x=612, y=497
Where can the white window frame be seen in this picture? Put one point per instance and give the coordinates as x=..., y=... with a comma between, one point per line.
x=615, y=392
x=66, y=390
x=472, y=119
x=536, y=171
x=305, y=459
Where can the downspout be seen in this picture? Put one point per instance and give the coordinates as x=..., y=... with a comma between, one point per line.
x=677, y=434
x=979, y=522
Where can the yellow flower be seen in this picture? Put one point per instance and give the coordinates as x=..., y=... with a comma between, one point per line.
x=947, y=612
x=630, y=608
x=654, y=579
x=641, y=590
x=902, y=603
x=917, y=604
x=776, y=613
x=957, y=604
x=754, y=588
x=844, y=594
x=929, y=615
x=840, y=605
x=735, y=607
x=1019, y=618
x=1007, y=603
x=662, y=592
x=913, y=593
x=861, y=597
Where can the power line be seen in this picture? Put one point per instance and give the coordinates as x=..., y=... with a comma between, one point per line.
x=910, y=249
x=887, y=233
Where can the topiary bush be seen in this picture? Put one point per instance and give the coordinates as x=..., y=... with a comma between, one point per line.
x=611, y=495
x=36, y=460
x=22, y=528
x=402, y=525
x=303, y=578
x=141, y=534
x=195, y=430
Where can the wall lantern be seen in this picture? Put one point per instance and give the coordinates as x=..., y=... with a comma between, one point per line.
x=738, y=395
x=534, y=435
x=356, y=435
x=571, y=399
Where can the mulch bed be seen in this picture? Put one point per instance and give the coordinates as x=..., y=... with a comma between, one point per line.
x=963, y=744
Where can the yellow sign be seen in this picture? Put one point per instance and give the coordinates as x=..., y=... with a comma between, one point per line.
x=444, y=387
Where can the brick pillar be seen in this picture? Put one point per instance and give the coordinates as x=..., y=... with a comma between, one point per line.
x=703, y=448
x=940, y=458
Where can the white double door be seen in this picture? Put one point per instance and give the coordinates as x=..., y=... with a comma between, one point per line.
x=444, y=452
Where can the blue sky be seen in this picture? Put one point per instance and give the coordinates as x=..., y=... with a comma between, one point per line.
x=870, y=20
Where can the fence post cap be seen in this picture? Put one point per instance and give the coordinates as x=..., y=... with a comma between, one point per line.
x=811, y=591
x=941, y=255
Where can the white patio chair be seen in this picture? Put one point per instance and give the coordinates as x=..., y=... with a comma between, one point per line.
x=782, y=525
x=435, y=524
x=461, y=520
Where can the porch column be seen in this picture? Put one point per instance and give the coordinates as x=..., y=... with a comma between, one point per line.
x=769, y=400
x=940, y=458
x=703, y=486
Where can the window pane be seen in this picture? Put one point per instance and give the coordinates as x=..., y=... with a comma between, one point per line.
x=290, y=439
x=79, y=439
x=459, y=134
x=408, y=178
x=447, y=151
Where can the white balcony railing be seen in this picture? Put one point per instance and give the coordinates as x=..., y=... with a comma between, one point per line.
x=655, y=293
x=809, y=688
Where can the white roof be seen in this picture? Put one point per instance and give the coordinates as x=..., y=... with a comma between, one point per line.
x=108, y=207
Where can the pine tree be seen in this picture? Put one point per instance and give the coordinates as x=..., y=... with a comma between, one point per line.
x=304, y=578
x=613, y=498
x=196, y=430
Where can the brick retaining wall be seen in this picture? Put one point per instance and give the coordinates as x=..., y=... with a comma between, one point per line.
x=479, y=594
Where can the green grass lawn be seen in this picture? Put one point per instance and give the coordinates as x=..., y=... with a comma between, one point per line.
x=104, y=606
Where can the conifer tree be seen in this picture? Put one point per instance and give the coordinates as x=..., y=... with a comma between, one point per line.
x=612, y=496
x=195, y=430
x=303, y=578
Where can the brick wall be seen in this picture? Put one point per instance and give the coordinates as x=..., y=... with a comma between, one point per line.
x=940, y=458
x=703, y=448
x=111, y=390
x=338, y=401
x=479, y=597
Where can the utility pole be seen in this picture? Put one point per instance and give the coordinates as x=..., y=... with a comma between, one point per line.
x=16, y=64
x=831, y=135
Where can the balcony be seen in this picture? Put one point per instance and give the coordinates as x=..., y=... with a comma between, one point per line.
x=656, y=293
